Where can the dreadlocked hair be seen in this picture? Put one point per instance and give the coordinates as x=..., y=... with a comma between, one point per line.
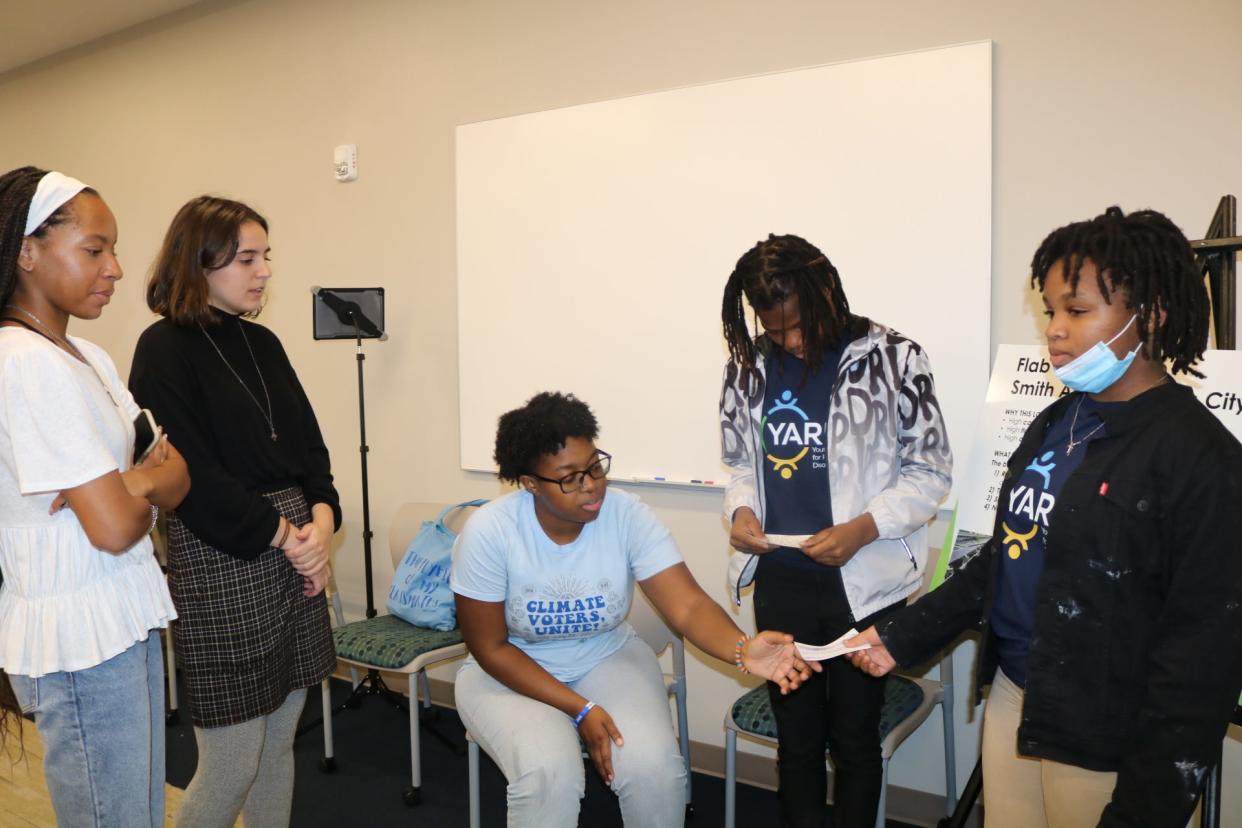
x=1147, y=258
x=540, y=427
x=17, y=190
x=769, y=274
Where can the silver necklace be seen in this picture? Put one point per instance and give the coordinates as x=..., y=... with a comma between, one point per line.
x=52, y=335
x=267, y=413
x=1073, y=444
x=67, y=346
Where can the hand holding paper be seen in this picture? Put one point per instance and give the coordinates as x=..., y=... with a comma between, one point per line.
x=774, y=656
x=793, y=541
x=833, y=649
x=876, y=659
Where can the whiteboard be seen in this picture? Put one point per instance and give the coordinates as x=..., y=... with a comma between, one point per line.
x=594, y=241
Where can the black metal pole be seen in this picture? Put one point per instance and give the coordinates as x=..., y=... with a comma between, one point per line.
x=366, y=495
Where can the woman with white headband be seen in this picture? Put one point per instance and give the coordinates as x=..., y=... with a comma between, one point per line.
x=82, y=594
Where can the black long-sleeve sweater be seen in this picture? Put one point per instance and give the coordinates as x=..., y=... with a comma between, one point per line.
x=221, y=428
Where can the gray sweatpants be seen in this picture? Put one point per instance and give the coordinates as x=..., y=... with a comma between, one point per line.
x=244, y=769
x=537, y=748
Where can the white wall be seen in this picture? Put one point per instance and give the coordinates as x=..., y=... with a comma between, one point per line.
x=1095, y=104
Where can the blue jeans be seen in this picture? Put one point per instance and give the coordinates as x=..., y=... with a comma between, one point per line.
x=103, y=738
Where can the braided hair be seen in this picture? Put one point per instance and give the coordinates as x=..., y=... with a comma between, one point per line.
x=17, y=190
x=1147, y=257
x=768, y=275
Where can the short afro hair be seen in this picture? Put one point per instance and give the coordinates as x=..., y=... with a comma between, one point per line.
x=540, y=427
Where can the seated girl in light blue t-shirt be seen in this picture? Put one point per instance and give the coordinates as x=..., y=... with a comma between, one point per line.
x=543, y=578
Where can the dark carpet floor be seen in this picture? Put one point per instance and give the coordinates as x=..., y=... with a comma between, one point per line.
x=373, y=766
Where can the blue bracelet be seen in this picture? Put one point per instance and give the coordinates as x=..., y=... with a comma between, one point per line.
x=582, y=714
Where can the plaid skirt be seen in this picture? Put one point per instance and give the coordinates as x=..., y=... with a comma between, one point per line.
x=246, y=636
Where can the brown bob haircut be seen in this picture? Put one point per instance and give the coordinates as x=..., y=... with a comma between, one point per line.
x=203, y=237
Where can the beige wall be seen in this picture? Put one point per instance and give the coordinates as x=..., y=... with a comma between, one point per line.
x=1100, y=103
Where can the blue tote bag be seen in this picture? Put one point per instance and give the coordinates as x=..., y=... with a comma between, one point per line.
x=420, y=591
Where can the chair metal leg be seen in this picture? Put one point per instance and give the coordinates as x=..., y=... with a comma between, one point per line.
x=413, y=794
x=473, y=751
x=730, y=778
x=683, y=738
x=328, y=763
x=173, y=717
x=950, y=751
x=882, y=810
x=425, y=684
x=950, y=758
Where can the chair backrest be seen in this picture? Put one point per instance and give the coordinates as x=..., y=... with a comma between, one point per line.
x=409, y=518
x=653, y=629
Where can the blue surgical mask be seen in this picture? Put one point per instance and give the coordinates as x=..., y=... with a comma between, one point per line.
x=1097, y=368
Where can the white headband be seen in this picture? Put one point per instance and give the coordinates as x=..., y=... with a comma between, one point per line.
x=54, y=190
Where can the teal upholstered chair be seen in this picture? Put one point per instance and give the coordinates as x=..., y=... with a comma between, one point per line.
x=907, y=703
x=389, y=643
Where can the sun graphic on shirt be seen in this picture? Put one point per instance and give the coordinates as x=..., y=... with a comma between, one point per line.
x=564, y=587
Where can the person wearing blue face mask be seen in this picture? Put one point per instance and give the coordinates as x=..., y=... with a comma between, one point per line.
x=1110, y=592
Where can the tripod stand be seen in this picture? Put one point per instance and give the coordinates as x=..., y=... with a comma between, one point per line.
x=357, y=314
x=372, y=684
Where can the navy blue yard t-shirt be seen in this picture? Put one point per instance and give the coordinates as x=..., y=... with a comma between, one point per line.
x=1024, y=525
x=796, y=487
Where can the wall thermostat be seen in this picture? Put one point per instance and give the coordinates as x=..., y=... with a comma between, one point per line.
x=345, y=162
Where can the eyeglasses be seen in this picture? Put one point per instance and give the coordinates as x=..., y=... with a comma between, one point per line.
x=572, y=482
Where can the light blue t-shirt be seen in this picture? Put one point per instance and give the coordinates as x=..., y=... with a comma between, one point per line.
x=565, y=606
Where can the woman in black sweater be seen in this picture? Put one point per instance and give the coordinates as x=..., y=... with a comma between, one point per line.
x=248, y=549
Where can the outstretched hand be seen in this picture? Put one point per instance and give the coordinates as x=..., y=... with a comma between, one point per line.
x=773, y=656
x=876, y=661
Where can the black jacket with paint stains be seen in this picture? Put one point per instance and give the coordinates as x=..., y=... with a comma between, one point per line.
x=1136, y=655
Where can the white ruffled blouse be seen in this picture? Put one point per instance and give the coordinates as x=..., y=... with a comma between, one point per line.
x=65, y=605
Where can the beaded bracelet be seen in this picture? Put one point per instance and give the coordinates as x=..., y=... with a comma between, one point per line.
x=582, y=714
x=155, y=516
x=737, y=653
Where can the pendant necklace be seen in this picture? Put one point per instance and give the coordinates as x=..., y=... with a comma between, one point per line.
x=266, y=412
x=1073, y=444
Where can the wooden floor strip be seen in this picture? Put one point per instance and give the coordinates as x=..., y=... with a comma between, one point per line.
x=24, y=800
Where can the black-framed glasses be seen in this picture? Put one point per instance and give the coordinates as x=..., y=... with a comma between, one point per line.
x=572, y=482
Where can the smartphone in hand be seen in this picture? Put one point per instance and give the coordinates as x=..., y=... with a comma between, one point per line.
x=147, y=435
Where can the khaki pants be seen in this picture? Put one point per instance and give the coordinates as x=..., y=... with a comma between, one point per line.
x=1022, y=792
